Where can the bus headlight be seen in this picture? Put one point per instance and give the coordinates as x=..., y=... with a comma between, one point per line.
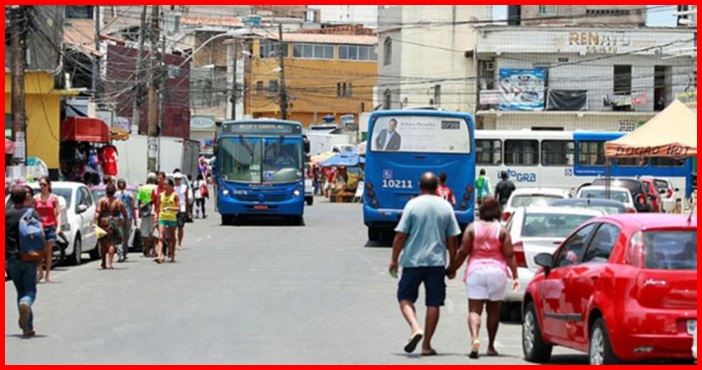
x=296, y=193
x=225, y=192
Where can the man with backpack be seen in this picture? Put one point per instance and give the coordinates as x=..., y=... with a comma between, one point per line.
x=24, y=250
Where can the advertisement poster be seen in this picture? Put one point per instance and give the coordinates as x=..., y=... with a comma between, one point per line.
x=522, y=89
x=419, y=134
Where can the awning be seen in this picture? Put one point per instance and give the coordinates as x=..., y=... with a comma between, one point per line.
x=9, y=146
x=345, y=159
x=671, y=133
x=118, y=134
x=86, y=129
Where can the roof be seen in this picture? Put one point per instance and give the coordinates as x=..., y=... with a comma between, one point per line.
x=325, y=38
x=80, y=34
x=603, y=187
x=584, y=201
x=653, y=220
x=228, y=21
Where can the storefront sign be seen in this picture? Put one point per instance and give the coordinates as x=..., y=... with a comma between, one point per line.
x=602, y=42
x=522, y=89
x=122, y=123
x=202, y=123
x=489, y=97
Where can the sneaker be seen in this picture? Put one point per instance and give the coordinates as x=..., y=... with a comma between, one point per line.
x=25, y=313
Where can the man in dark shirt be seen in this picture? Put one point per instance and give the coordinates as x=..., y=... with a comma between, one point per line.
x=23, y=274
x=504, y=189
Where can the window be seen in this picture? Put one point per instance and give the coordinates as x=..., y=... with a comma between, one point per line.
x=79, y=12
x=591, y=153
x=313, y=51
x=602, y=244
x=632, y=162
x=671, y=250
x=557, y=153
x=521, y=152
x=569, y=254
x=547, y=10
x=259, y=87
x=357, y=52
x=488, y=152
x=343, y=90
x=622, y=80
x=349, y=90
x=437, y=95
x=387, y=51
x=273, y=86
x=87, y=198
x=666, y=162
x=269, y=49
x=551, y=225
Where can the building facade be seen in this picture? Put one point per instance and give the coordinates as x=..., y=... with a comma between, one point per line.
x=580, y=15
x=325, y=74
x=366, y=15
x=422, y=63
x=568, y=78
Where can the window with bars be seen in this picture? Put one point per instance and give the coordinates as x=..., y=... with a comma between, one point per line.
x=269, y=49
x=357, y=52
x=547, y=9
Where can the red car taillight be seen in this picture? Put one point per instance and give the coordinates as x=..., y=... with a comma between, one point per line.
x=669, y=193
x=506, y=216
x=519, y=255
x=641, y=198
x=635, y=251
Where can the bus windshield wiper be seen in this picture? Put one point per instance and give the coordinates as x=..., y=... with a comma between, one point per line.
x=246, y=145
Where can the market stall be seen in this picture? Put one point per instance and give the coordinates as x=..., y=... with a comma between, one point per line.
x=87, y=154
x=346, y=168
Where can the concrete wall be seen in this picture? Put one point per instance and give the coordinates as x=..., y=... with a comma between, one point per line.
x=358, y=14
x=568, y=121
x=580, y=16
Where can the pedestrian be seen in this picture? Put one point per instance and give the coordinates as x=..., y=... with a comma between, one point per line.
x=184, y=199
x=490, y=265
x=426, y=230
x=482, y=186
x=504, y=189
x=22, y=273
x=200, y=196
x=169, y=206
x=111, y=216
x=203, y=168
x=147, y=215
x=331, y=179
x=48, y=206
x=444, y=191
x=127, y=198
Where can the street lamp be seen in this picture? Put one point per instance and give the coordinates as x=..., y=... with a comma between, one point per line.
x=231, y=33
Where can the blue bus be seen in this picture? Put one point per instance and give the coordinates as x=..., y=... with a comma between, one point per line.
x=259, y=170
x=404, y=144
x=589, y=150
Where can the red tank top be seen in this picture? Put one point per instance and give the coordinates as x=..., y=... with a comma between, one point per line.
x=46, y=208
x=109, y=161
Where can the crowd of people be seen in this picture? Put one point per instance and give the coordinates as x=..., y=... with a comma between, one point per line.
x=160, y=205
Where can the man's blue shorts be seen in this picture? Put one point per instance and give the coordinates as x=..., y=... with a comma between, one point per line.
x=434, y=282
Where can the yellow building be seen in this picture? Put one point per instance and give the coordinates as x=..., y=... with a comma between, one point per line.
x=324, y=74
x=43, y=110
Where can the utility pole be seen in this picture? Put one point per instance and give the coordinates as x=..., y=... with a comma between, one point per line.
x=283, y=92
x=235, y=48
x=95, y=60
x=18, y=63
x=138, y=93
x=161, y=95
x=153, y=131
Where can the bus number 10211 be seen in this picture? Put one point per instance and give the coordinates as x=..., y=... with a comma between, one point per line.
x=397, y=184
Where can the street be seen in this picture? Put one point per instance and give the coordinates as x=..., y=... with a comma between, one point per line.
x=254, y=294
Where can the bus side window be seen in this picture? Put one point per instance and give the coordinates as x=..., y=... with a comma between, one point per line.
x=489, y=152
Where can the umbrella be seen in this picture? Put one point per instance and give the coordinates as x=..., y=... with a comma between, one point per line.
x=9, y=146
x=345, y=159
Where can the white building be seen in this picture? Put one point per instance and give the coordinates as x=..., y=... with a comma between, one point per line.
x=366, y=15
x=425, y=56
x=572, y=78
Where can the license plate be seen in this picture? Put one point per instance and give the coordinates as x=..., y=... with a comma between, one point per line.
x=261, y=207
x=691, y=326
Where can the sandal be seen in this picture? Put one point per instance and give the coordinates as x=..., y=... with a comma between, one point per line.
x=474, y=348
x=413, y=341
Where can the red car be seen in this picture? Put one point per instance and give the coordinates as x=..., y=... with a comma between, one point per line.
x=653, y=195
x=622, y=288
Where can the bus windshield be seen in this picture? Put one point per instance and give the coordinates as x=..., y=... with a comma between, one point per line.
x=260, y=161
x=420, y=134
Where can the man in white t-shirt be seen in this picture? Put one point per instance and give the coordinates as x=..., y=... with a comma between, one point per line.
x=182, y=191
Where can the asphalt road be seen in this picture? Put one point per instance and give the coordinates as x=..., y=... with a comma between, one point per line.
x=254, y=294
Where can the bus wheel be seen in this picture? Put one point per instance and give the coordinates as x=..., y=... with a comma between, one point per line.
x=374, y=234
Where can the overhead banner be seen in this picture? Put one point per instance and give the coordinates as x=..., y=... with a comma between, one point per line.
x=567, y=100
x=522, y=89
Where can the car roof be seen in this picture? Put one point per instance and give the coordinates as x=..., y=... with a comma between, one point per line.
x=585, y=201
x=653, y=220
x=562, y=211
x=602, y=187
x=545, y=191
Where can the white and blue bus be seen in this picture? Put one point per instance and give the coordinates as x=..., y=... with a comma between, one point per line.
x=567, y=159
x=260, y=170
x=404, y=144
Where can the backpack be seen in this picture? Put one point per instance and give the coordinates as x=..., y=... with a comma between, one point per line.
x=31, y=238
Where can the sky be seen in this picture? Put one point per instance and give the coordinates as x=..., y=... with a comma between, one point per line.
x=660, y=17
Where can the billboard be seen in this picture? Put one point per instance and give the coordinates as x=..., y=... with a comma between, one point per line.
x=522, y=89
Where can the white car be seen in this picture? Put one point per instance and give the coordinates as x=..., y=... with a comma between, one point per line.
x=532, y=197
x=694, y=346
x=619, y=194
x=536, y=230
x=78, y=219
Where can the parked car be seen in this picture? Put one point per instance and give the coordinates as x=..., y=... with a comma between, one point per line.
x=532, y=197
x=617, y=194
x=668, y=193
x=653, y=195
x=79, y=227
x=621, y=288
x=694, y=345
x=535, y=230
x=309, y=191
x=636, y=188
x=610, y=207
x=134, y=239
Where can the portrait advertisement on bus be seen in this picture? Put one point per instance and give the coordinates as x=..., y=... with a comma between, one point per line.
x=421, y=134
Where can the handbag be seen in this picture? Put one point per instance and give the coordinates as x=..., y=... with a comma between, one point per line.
x=204, y=192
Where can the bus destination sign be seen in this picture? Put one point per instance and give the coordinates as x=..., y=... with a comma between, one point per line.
x=261, y=128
